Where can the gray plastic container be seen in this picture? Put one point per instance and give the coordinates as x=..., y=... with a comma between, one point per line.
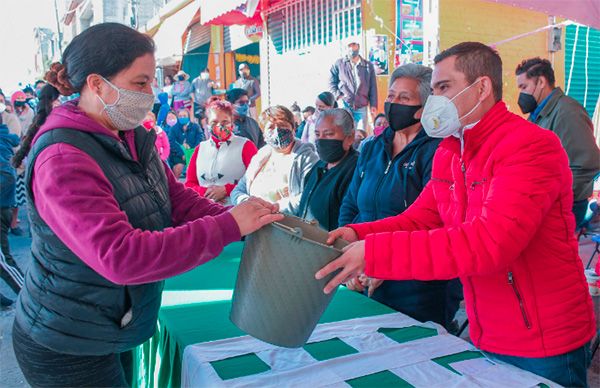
x=277, y=298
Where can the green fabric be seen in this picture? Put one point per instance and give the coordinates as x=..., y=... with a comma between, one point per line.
x=407, y=334
x=196, y=308
x=188, y=155
x=462, y=356
x=245, y=365
x=381, y=379
x=326, y=350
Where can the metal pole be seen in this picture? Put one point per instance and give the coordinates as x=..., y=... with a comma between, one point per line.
x=58, y=29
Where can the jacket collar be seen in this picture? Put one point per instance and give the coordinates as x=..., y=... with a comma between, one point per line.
x=493, y=119
x=557, y=94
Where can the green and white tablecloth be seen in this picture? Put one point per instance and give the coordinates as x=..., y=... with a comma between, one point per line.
x=359, y=342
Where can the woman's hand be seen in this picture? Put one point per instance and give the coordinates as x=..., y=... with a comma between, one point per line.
x=254, y=213
x=351, y=263
x=216, y=193
x=344, y=233
x=355, y=284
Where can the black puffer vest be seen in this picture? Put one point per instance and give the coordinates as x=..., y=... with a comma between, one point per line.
x=65, y=305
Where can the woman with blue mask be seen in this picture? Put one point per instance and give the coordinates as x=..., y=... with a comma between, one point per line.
x=277, y=172
x=184, y=136
x=109, y=221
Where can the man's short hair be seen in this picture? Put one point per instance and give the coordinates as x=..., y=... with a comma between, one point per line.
x=474, y=60
x=535, y=67
x=309, y=109
x=234, y=94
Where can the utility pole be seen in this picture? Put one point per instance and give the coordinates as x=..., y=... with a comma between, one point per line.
x=58, y=31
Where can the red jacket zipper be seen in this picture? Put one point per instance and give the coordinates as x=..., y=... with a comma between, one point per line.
x=511, y=281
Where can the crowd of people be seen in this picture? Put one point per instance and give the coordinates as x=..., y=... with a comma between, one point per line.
x=130, y=183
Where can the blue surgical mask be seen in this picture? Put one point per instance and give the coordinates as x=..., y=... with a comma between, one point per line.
x=241, y=110
x=183, y=120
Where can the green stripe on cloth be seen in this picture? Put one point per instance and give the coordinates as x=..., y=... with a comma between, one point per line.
x=234, y=367
x=380, y=379
x=462, y=356
x=329, y=349
x=407, y=334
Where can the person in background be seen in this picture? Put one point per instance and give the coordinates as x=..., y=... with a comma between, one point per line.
x=168, y=88
x=162, y=140
x=324, y=101
x=220, y=162
x=359, y=137
x=250, y=85
x=380, y=123
x=156, y=90
x=497, y=213
x=306, y=113
x=182, y=91
x=22, y=109
x=163, y=110
x=38, y=86
x=328, y=181
x=202, y=89
x=9, y=270
x=170, y=121
x=278, y=171
x=244, y=125
x=185, y=135
x=104, y=239
x=550, y=108
x=297, y=112
x=9, y=119
x=31, y=97
x=392, y=171
x=353, y=80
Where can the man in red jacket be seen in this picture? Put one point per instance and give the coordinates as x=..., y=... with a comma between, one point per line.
x=496, y=213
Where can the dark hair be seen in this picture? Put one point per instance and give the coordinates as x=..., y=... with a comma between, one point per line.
x=310, y=109
x=295, y=107
x=535, y=67
x=378, y=116
x=105, y=49
x=28, y=89
x=328, y=99
x=474, y=60
x=48, y=95
x=39, y=81
x=234, y=94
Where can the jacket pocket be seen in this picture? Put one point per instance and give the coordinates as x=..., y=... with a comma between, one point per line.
x=443, y=189
x=513, y=284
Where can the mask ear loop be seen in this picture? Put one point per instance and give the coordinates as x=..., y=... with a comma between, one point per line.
x=461, y=92
x=104, y=104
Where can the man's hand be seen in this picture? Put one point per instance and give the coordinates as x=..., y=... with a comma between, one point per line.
x=216, y=193
x=355, y=284
x=254, y=213
x=351, y=263
x=370, y=283
x=344, y=233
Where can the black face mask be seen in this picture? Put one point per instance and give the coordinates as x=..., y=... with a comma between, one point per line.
x=20, y=104
x=527, y=102
x=330, y=150
x=401, y=116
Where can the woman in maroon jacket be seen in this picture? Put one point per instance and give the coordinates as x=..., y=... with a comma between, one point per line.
x=109, y=220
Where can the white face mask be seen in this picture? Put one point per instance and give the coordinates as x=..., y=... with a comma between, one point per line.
x=130, y=108
x=440, y=117
x=204, y=76
x=2, y=107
